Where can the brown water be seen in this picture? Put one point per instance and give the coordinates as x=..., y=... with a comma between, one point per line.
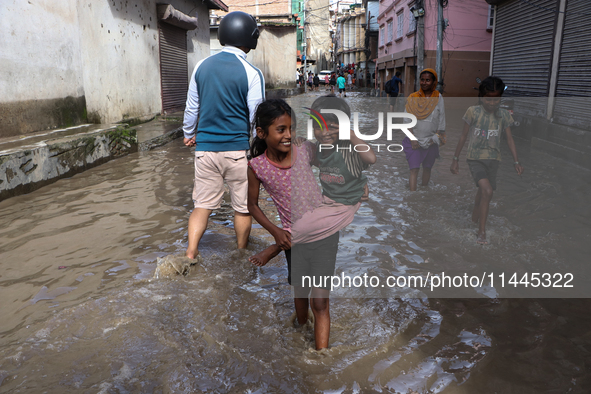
x=102, y=324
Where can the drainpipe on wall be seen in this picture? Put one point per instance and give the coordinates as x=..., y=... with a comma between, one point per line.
x=555, y=60
x=439, y=60
x=420, y=46
x=492, y=42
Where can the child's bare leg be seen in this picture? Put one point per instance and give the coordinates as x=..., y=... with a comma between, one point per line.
x=301, y=304
x=426, y=176
x=263, y=257
x=486, y=193
x=476, y=210
x=412, y=180
x=320, y=308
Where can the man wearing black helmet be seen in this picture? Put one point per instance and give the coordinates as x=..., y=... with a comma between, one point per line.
x=224, y=92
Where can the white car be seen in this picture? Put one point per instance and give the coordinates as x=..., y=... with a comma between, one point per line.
x=322, y=75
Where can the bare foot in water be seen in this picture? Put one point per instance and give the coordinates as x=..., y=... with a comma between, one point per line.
x=481, y=239
x=263, y=257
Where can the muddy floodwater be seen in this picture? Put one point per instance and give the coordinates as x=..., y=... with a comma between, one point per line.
x=83, y=313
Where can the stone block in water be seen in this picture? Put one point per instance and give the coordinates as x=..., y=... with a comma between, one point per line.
x=174, y=264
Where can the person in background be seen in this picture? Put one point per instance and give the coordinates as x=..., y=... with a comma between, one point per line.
x=427, y=105
x=341, y=84
x=333, y=81
x=316, y=81
x=484, y=123
x=395, y=86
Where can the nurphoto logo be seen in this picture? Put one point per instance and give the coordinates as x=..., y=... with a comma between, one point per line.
x=345, y=128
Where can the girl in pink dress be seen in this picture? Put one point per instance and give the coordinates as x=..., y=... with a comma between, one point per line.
x=277, y=164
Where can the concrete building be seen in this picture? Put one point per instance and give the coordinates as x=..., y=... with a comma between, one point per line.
x=69, y=62
x=541, y=50
x=466, y=43
x=318, y=37
x=277, y=49
x=275, y=54
x=372, y=29
x=352, y=47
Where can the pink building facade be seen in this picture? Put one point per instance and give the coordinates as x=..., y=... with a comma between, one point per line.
x=466, y=43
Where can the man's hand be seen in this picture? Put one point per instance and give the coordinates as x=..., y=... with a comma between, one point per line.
x=189, y=141
x=415, y=144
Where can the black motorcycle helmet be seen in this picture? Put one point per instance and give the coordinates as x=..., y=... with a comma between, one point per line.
x=238, y=29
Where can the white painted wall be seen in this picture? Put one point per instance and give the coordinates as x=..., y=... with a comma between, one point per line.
x=106, y=51
x=120, y=51
x=276, y=56
x=40, y=50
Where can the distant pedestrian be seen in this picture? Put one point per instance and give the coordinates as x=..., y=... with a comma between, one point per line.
x=427, y=105
x=395, y=87
x=484, y=123
x=349, y=81
x=341, y=83
x=316, y=81
x=311, y=81
x=333, y=81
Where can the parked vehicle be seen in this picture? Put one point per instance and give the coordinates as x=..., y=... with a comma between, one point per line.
x=322, y=75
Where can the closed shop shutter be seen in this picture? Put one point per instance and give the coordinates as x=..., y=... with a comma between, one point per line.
x=523, y=47
x=173, y=67
x=573, y=91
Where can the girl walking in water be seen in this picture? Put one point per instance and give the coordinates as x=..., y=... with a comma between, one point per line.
x=484, y=123
x=277, y=164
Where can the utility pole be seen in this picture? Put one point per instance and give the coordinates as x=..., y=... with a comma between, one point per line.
x=439, y=63
x=305, y=45
x=420, y=45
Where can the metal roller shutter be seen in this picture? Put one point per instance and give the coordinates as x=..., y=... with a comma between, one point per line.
x=574, y=73
x=173, y=67
x=522, y=58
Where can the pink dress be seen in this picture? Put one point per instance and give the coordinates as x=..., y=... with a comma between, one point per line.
x=302, y=209
x=293, y=189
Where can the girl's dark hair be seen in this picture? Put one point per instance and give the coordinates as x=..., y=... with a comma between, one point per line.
x=266, y=113
x=331, y=102
x=491, y=84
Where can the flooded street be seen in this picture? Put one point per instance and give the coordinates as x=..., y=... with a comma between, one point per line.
x=82, y=313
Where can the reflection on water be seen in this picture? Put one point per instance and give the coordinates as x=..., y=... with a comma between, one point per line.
x=83, y=313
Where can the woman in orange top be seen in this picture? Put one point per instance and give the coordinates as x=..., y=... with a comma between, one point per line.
x=427, y=106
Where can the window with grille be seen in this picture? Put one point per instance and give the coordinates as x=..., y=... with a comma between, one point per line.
x=390, y=31
x=412, y=22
